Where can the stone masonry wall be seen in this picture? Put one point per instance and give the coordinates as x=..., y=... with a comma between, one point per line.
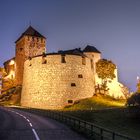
x=27, y=47
x=49, y=86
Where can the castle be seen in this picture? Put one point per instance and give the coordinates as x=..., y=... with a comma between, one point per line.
x=54, y=80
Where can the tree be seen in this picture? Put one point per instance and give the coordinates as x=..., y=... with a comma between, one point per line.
x=6, y=82
x=138, y=86
x=2, y=73
x=105, y=70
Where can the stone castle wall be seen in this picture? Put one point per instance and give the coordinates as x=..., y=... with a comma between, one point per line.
x=27, y=47
x=54, y=84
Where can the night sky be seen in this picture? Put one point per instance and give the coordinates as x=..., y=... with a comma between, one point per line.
x=112, y=26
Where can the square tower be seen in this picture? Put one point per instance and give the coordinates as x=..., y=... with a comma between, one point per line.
x=31, y=43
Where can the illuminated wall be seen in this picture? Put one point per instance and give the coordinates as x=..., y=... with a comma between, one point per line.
x=26, y=47
x=55, y=84
x=115, y=87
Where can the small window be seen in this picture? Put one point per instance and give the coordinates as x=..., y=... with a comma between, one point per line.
x=83, y=60
x=20, y=49
x=63, y=59
x=73, y=85
x=91, y=61
x=80, y=76
x=70, y=101
x=44, y=61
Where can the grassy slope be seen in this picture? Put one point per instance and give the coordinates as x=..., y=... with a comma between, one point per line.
x=108, y=113
x=96, y=103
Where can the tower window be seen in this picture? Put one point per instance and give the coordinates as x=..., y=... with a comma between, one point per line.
x=80, y=76
x=73, y=85
x=20, y=49
x=83, y=60
x=63, y=59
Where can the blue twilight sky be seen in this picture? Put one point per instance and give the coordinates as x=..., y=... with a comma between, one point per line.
x=113, y=26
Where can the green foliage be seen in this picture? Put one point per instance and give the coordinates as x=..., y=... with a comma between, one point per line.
x=11, y=96
x=134, y=99
x=8, y=83
x=105, y=69
x=95, y=103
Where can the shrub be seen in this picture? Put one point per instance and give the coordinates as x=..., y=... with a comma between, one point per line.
x=133, y=100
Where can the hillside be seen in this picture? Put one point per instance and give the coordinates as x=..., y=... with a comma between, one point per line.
x=108, y=113
x=96, y=103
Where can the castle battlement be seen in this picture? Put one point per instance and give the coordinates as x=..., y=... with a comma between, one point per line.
x=59, y=59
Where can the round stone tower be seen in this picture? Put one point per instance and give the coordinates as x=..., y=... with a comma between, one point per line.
x=28, y=45
x=56, y=80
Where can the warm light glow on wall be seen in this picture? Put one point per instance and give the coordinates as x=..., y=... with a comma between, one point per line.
x=11, y=75
x=12, y=62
